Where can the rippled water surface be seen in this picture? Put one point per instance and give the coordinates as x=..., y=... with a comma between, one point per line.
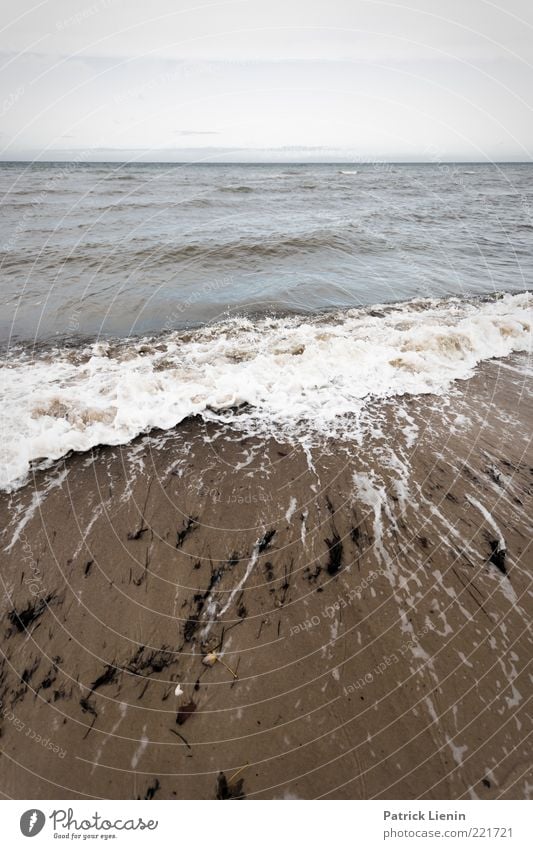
x=92, y=250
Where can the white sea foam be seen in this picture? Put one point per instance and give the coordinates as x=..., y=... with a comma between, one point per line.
x=291, y=509
x=293, y=371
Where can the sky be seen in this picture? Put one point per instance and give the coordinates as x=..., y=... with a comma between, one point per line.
x=266, y=80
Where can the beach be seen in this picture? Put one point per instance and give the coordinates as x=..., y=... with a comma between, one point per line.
x=266, y=419
x=207, y=611
x=265, y=481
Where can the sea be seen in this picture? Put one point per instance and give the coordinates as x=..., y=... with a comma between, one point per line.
x=277, y=297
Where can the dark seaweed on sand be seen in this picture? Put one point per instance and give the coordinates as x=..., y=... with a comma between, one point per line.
x=152, y=790
x=108, y=676
x=185, y=712
x=200, y=598
x=498, y=556
x=265, y=541
x=22, y=619
x=137, y=534
x=229, y=791
x=87, y=707
x=187, y=529
x=146, y=661
x=334, y=545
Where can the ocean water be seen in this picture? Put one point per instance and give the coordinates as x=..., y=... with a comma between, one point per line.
x=92, y=251
x=279, y=298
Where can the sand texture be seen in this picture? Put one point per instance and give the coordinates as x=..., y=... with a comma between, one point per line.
x=364, y=608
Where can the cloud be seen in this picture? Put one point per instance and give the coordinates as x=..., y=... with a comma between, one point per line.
x=375, y=79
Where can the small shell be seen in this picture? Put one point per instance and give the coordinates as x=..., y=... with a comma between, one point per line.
x=210, y=659
x=178, y=691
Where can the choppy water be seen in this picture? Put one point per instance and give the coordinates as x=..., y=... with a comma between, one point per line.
x=259, y=295
x=91, y=250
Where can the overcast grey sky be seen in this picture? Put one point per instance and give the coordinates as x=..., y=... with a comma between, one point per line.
x=266, y=80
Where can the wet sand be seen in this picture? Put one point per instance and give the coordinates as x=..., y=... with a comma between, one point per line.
x=368, y=606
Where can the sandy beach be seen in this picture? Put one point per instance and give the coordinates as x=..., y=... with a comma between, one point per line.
x=266, y=420
x=200, y=614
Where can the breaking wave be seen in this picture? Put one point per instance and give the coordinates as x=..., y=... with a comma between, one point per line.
x=290, y=372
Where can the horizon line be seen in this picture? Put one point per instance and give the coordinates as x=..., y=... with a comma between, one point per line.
x=362, y=163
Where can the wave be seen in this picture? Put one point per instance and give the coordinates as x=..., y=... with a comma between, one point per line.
x=290, y=372
x=239, y=251
x=238, y=189
x=347, y=238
